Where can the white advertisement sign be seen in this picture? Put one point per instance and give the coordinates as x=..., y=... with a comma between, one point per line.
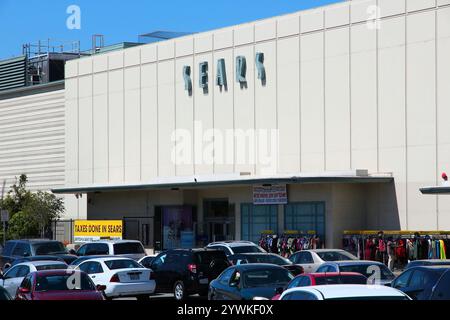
x=271, y=194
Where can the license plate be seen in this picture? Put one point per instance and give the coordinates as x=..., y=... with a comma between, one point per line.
x=204, y=281
x=134, y=277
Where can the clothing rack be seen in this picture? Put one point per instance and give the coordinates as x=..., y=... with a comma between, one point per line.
x=289, y=242
x=397, y=248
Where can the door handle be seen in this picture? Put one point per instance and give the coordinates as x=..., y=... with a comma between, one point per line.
x=93, y=277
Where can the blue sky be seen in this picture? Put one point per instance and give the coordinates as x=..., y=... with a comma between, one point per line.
x=25, y=21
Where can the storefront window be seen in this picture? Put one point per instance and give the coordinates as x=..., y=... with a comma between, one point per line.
x=256, y=219
x=305, y=216
x=178, y=227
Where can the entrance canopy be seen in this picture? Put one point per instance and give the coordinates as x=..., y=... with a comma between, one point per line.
x=243, y=178
x=435, y=190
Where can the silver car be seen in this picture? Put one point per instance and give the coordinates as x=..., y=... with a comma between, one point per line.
x=311, y=260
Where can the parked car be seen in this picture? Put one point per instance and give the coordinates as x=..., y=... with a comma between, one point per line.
x=430, y=262
x=376, y=272
x=122, y=277
x=271, y=258
x=185, y=272
x=18, y=249
x=132, y=249
x=4, y=295
x=147, y=260
x=311, y=260
x=68, y=260
x=235, y=247
x=79, y=260
x=15, y=275
x=58, y=285
x=344, y=292
x=420, y=283
x=318, y=279
x=247, y=281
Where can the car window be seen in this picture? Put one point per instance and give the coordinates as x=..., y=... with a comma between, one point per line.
x=85, y=266
x=97, y=249
x=128, y=248
x=266, y=277
x=22, y=250
x=402, y=280
x=174, y=258
x=26, y=283
x=7, y=251
x=12, y=273
x=58, y=266
x=82, y=250
x=295, y=282
x=442, y=289
x=369, y=270
x=147, y=261
x=247, y=249
x=94, y=267
x=226, y=276
x=48, y=248
x=335, y=256
x=23, y=271
x=159, y=261
x=417, y=279
x=63, y=283
x=299, y=295
x=122, y=264
x=294, y=258
x=305, y=257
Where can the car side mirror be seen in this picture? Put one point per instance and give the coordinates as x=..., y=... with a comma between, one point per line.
x=100, y=287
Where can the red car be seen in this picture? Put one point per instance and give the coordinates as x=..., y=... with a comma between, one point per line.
x=325, y=278
x=59, y=285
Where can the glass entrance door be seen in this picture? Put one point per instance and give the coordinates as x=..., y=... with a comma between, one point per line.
x=218, y=220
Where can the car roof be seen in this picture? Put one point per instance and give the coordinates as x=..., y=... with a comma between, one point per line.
x=325, y=250
x=258, y=254
x=34, y=241
x=354, y=262
x=350, y=290
x=112, y=241
x=41, y=263
x=109, y=258
x=431, y=268
x=334, y=274
x=257, y=266
x=232, y=244
x=56, y=272
x=432, y=261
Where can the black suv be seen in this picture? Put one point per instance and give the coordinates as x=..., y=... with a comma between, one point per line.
x=19, y=249
x=185, y=272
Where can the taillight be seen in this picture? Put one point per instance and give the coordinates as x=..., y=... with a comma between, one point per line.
x=192, y=268
x=115, y=278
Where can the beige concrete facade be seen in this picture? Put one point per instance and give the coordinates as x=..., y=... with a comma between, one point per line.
x=344, y=91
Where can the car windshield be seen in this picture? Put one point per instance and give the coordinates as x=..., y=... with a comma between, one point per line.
x=336, y=256
x=267, y=258
x=51, y=267
x=341, y=280
x=266, y=278
x=368, y=270
x=48, y=248
x=246, y=249
x=64, y=282
x=122, y=264
x=128, y=248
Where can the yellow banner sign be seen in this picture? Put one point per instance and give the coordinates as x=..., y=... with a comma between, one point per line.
x=92, y=230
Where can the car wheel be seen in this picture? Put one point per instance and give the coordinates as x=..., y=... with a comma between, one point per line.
x=179, y=290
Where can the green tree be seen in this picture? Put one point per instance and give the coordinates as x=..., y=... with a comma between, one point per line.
x=31, y=213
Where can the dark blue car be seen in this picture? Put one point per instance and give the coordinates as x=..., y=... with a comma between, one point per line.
x=247, y=281
x=425, y=283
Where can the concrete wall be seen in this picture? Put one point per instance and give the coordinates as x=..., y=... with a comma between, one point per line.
x=343, y=94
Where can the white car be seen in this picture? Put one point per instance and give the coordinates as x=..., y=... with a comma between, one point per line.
x=123, y=277
x=344, y=292
x=12, y=279
x=132, y=249
x=236, y=247
x=311, y=260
